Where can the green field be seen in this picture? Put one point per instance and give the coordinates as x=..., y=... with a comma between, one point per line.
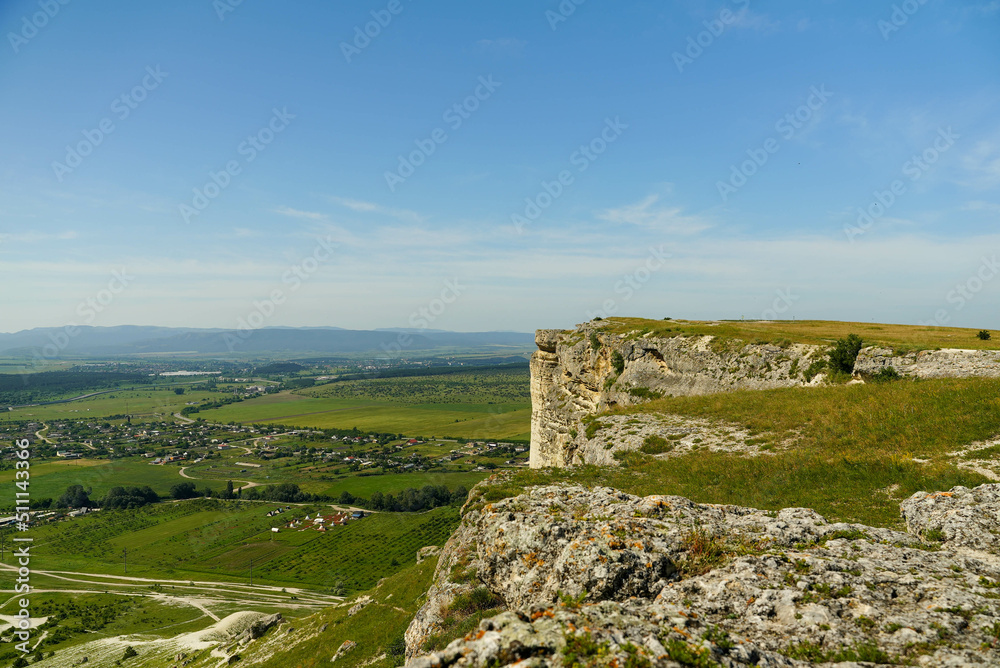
x=215, y=540
x=465, y=420
x=138, y=403
x=50, y=479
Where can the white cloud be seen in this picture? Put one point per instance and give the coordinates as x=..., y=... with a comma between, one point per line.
x=982, y=164
x=980, y=205
x=646, y=214
x=369, y=207
x=750, y=20
x=298, y=213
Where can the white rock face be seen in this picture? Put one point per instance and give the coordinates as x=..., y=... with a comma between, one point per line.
x=947, y=363
x=572, y=378
x=660, y=581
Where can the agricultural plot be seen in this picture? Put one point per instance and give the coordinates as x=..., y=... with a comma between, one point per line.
x=140, y=403
x=361, y=553
x=473, y=421
x=215, y=540
x=50, y=479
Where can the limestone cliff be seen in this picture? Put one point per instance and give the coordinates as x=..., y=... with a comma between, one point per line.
x=597, y=577
x=577, y=373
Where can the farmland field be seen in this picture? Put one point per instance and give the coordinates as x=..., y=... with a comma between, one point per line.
x=50, y=479
x=215, y=540
x=138, y=403
x=469, y=404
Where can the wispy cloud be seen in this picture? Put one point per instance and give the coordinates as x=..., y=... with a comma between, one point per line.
x=370, y=207
x=982, y=165
x=647, y=214
x=298, y=213
x=980, y=205
x=750, y=20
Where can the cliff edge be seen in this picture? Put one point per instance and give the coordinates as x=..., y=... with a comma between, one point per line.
x=579, y=373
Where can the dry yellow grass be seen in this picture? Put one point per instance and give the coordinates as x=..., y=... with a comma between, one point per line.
x=821, y=332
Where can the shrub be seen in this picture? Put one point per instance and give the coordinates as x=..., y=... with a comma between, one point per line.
x=129, y=653
x=655, y=445
x=813, y=369
x=886, y=374
x=618, y=362
x=477, y=600
x=845, y=354
x=595, y=342
x=984, y=335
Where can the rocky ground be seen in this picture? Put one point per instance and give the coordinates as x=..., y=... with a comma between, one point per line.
x=674, y=435
x=601, y=578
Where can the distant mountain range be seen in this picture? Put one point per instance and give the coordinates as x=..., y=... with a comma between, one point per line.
x=133, y=340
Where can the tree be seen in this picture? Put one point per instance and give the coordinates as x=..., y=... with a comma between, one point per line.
x=229, y=494
x=346, y=498
x=984, y=335
x=618, y=362
x=183, y=490
x=845, y=354
x=74, y=497
x=178, y=390
x=125, y=498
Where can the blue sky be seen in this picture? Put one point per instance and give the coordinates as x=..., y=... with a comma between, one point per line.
x=715, y=159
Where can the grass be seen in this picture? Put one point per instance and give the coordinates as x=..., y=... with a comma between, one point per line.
x=376, y=628
x=474, y=421
x=821, y=332
x=50, y=479
x=851, y=443
x=215, y=540
x=364, y=486
x=141, y=403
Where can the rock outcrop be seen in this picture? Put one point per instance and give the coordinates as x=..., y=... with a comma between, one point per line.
x=946, y=363
x=601, y=578
x=578, y=373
